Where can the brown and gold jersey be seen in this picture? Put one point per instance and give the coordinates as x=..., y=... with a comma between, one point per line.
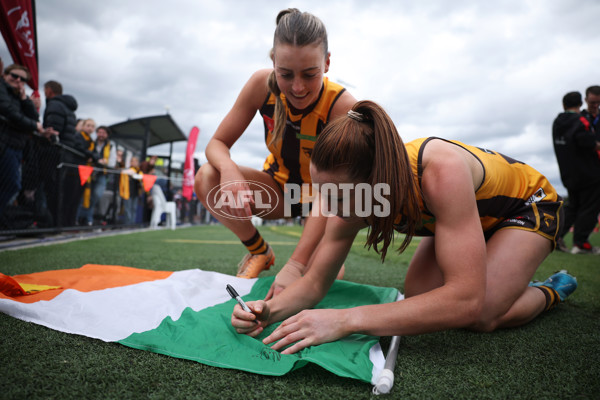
x=290, y=158
x=510, y=190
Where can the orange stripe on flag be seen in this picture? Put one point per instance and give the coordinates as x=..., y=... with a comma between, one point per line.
x=85, y=279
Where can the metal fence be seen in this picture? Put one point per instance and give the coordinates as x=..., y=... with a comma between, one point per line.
x=49, y=195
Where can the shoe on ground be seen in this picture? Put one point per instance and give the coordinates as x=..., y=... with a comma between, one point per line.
x=585, y=248
x=562, y=282
x=561, y=246
x=253, y=264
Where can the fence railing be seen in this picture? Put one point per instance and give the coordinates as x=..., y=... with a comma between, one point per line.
x=51, y=198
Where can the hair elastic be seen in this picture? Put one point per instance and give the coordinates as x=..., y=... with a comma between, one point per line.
x=356, y=116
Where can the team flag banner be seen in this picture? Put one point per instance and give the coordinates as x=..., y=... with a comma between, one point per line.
x=188, y=166
x=184, y=314
x=18, y=27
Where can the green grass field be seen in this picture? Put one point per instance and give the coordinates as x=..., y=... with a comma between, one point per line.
x=557, y=356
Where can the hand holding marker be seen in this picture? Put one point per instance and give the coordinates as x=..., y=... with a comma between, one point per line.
x=385, y=381
x=237, y=297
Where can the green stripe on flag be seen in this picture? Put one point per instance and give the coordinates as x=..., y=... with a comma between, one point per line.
x=206, y=336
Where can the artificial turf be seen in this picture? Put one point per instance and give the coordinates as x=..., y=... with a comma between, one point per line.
x=556, y=356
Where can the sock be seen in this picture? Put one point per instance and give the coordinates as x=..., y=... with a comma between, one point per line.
x=256, y=244
x=552, y=297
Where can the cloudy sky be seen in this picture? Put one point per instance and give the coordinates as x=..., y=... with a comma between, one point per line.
x=490, y=74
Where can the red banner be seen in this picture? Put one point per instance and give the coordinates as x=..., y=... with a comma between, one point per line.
x=17, y=23
x=188, y=166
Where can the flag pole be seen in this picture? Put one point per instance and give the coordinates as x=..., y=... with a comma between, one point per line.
x=385, y=382
x=37, y=59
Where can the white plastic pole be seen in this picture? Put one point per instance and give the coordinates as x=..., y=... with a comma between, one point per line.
x=385, y=381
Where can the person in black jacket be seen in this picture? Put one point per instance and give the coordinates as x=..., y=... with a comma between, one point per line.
x=61, y=185
x=18, y=119
x=576, y=147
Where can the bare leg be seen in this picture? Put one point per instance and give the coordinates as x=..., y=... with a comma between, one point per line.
x=423, y=274
x=208, y=178
x=509, y=300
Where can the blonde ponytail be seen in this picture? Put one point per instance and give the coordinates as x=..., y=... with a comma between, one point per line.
x=279, y=115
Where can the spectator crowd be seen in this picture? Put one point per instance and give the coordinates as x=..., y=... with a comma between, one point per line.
x=40, y=158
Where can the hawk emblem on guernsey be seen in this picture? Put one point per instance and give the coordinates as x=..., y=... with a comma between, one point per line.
x=538, y=196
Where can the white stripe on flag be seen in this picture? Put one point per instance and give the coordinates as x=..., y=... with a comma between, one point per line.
x=114, y=314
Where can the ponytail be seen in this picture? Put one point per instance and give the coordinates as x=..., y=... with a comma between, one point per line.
x=366, y=146
x=279, y=115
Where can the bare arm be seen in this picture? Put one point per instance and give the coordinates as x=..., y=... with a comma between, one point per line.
x=307, y=291
x=460, y=253
x=311, y=288
x=311, y=237
x=314, y=228
x=449, y=193
x=342, y=105
x=234, y=124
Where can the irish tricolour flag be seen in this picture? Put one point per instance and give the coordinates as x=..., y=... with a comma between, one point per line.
x=184, y=314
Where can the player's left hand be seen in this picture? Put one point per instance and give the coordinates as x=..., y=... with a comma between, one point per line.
x=309, y=328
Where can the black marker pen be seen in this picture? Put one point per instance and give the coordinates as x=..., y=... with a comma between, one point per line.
x=236, y=296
